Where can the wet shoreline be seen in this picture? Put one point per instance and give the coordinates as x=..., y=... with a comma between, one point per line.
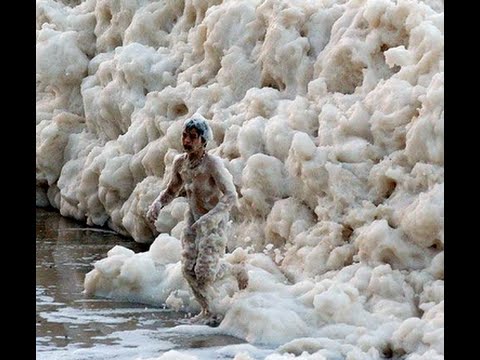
x=72, y=325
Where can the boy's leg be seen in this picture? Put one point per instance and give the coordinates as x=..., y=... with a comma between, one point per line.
x=210, y=248
x=189, y=259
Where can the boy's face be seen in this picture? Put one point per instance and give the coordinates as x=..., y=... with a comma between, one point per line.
x=191, y=141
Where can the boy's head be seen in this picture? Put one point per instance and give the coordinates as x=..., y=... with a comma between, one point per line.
x=201, y=126
x=193, y=129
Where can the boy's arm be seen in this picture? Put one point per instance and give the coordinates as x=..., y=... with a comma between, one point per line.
x=170, y=192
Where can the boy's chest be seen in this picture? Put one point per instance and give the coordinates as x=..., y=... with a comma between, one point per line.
x=195, y=178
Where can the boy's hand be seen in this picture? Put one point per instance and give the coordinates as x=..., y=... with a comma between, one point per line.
x=201, y=223
x=153, y=211
x=205, y=221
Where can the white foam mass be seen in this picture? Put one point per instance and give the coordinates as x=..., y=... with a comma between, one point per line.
x=328, y=113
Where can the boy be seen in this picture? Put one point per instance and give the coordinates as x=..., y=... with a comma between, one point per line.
x=211, y=194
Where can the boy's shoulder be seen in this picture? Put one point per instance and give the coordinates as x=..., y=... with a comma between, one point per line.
x=179, y=159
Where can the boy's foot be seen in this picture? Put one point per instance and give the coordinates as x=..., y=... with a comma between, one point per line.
x=213, y=320
x=208, y=319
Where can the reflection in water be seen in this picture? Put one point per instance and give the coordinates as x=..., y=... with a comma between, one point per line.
x=67, y=320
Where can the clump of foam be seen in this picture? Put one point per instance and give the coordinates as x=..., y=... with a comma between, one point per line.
x=328, y=114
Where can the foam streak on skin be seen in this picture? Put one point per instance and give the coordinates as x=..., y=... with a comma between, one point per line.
x=328, y=114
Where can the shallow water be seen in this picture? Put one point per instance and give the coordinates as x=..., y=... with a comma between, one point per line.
x=71, y=325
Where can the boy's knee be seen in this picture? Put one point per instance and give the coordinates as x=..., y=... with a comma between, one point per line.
x=188, y=273
x=188, y=267
x=204, y=276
